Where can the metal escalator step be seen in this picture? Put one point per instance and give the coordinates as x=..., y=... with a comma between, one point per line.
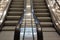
x=17, y=6
x=17, y=3
x=18, y=0
x=42, y=14
x=44, y=19
x=40, y=7
x=46, y=24
x=41, y=10
x=7, y=35
x=10, y=23
x=13, y=17
x=16, y=9
x=48, y=29
x=50, y=36
x=39, y=4
x=15, y=13
x=8, y=28
x=38, y=1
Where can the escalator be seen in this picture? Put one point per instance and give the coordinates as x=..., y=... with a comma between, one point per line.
x=30, y=28
x=43, y=15
x=14, y=13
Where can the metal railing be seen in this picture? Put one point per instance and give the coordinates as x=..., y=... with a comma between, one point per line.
x=3, y=9
x=55, y=12
x=3, y=4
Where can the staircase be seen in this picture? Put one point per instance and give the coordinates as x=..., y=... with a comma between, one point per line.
x=13, y=15
x=43, y=15
x=28, y=30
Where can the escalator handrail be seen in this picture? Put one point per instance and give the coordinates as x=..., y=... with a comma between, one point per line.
x=5, y=12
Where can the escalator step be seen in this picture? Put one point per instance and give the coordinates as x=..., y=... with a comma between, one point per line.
x=18, y=0
x=39, y=3
x=8, y=28
x=16, y=9
x=10, y=23
x=46, y=24
x=40, y=7
x=44, y=19
x=41, y=10
x=17, y=6
x=15, y=13
x=17, y=3
x=48, y=29
x=13, y=17
x=42, y=14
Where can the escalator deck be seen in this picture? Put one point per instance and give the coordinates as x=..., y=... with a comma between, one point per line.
x=28, y=26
